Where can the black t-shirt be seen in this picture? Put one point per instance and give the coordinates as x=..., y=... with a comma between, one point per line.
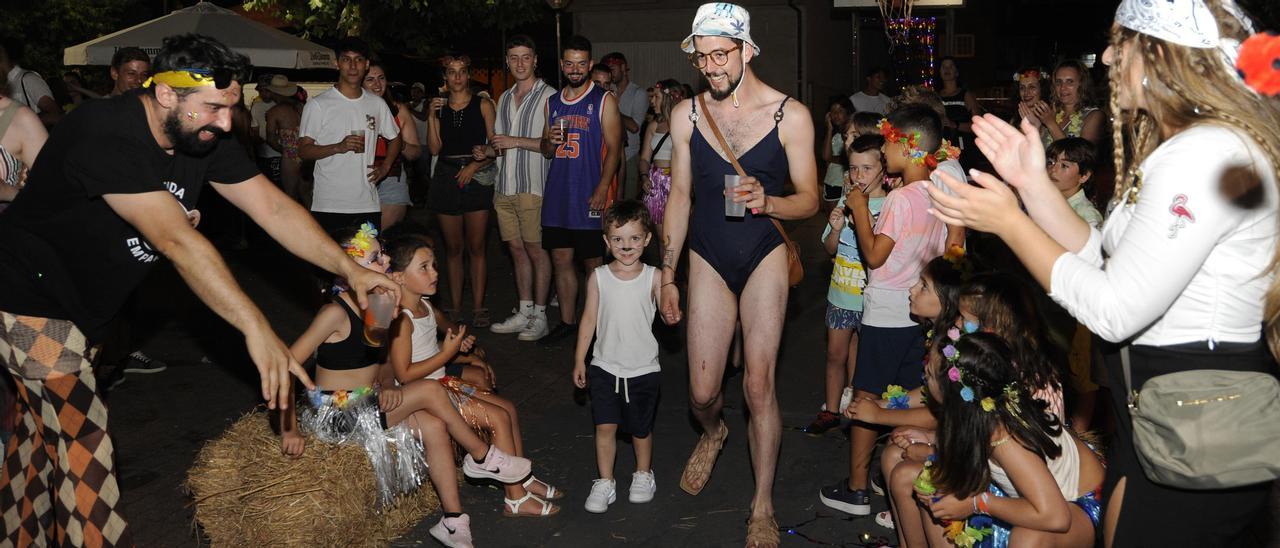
x=65, y=253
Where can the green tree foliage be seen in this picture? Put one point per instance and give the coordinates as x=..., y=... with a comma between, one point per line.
x=414, y=27
x=46, y=27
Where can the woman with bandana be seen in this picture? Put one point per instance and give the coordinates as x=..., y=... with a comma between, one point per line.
x=1176, y=239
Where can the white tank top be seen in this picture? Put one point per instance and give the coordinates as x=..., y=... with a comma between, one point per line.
x=425, y=342
x=663, y=152
x=1065, y=469
x=625, y=345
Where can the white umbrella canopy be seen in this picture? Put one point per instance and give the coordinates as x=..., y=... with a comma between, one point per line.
x=265, y=46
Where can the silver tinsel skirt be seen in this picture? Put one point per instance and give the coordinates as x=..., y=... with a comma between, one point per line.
x=353, y=416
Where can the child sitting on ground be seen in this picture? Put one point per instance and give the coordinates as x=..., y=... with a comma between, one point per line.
x=623, y=377
x=1006, y=467
x=417, y=355
x=848, y=278
x=905, y=238
x=356, y=398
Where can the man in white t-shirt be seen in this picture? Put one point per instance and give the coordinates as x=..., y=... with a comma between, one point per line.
x=339, y=129
x=633, y=103
x=27, y=87
x=871, y=98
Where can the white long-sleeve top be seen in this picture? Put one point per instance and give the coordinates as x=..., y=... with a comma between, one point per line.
x=1183, y=264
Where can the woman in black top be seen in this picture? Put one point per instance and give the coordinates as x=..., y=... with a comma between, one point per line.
x=460, y=198
x=962, y=105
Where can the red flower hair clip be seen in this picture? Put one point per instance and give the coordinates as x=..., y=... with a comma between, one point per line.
x=1259, y=63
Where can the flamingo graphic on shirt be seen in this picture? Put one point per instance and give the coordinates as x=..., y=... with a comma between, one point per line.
x=1181, y=214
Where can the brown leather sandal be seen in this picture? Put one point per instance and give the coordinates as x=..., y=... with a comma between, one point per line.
x=762, y=533
x=702, y=461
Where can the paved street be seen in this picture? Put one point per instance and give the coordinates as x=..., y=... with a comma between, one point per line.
x=161, y=420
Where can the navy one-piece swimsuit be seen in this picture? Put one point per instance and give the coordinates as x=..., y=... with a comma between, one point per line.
x=734, y=246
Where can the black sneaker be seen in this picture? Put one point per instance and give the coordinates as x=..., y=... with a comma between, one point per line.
x=558, y=333
x=138, y=362
x=839, y=497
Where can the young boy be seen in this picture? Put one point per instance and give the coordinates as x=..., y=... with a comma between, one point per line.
x=1071, y=165
x=904, y=239
x=848, y=278
x=623, y=377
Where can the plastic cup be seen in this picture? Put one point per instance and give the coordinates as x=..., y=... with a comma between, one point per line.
x=359, y=133
x=377, y=318
x=732, y=208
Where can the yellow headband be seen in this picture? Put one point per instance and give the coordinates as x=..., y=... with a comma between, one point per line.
x=179, y=79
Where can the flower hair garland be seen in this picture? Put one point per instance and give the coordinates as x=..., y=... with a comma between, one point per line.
x=911, y=146
x=359, y=244
x=1034, y=74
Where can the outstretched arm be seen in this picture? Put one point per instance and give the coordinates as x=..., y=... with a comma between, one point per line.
x=164, y=224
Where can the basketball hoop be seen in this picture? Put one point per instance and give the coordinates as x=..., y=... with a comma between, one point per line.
x=892, y=11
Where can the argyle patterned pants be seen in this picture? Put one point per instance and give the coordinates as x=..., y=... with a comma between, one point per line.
x=58, y=483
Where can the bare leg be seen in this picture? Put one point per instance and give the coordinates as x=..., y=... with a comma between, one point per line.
x=862, y=441
x=477, y=226
x=451, y=227
x=541, y=271
x=1080, y=533
x=429, y=396
x=1112, y=515
x=852, y=364
x=712, y=311
x=591, y=264
x=494, y=403
x=523, y=268
x=606, y=449
x=901, y=476
x=439, y=453
x=766, y=290
x=392, y=214
x=837, y=364
x=644, y=452
x=566, y=283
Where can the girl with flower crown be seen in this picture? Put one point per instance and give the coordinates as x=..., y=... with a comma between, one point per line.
x=1006, y=471
x=1188, y=279
x=357, y=398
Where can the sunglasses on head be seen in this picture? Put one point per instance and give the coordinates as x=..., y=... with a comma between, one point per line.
x=222, y=76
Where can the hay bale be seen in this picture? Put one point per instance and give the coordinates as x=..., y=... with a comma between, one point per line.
x=247, y=493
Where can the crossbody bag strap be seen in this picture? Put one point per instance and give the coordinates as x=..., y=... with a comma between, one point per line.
x=733, y=159
x=6, y=117
x=1130, y=396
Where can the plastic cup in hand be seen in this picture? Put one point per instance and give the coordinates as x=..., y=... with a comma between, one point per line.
x=732, y=208
x=377, y=318
x=359, y=133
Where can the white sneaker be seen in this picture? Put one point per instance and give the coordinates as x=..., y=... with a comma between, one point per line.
x=643, y=486
x=535, y=329
x=453, y=532
x=603, y=493
x=497, y=466
x=515, y=324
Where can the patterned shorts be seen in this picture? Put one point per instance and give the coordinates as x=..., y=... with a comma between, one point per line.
x=839, y=318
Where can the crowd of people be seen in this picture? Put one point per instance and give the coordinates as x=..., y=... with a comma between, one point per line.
x=973, y=318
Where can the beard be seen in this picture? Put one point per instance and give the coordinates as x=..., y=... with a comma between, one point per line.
x=722, y=95
x=575, y=80
x=189, y=142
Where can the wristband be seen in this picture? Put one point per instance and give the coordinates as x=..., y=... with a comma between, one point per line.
x=667, y=284
x=974, y=501
x=981, y=502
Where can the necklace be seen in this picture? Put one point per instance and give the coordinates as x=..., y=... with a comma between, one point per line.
x=457, y=116
x=1074, y=125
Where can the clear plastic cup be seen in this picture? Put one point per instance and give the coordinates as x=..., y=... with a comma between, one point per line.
x=359, y=133
x=732, y=208
x=377, y=318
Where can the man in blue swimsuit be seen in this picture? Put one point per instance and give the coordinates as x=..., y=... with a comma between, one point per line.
x=733, y=260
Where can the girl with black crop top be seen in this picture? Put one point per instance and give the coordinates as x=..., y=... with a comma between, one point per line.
x=354, y=388
x=461, y=191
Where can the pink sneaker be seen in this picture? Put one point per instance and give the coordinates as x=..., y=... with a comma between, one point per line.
x=453, y=532
x=497, y=466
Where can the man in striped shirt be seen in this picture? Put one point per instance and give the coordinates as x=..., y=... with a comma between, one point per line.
x=522, y=172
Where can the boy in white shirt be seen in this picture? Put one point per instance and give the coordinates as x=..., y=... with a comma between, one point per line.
x=347, y=121
x=1070, y=167
x=623, y=377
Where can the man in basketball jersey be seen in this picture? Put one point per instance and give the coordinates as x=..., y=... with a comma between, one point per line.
x=737, y=265
x=583, y=138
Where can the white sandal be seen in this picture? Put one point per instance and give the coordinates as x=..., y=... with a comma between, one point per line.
x=512, y=509
x=552, y=492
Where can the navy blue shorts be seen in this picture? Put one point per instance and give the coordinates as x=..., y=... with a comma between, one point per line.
x=632, y=406
x=889, y=355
